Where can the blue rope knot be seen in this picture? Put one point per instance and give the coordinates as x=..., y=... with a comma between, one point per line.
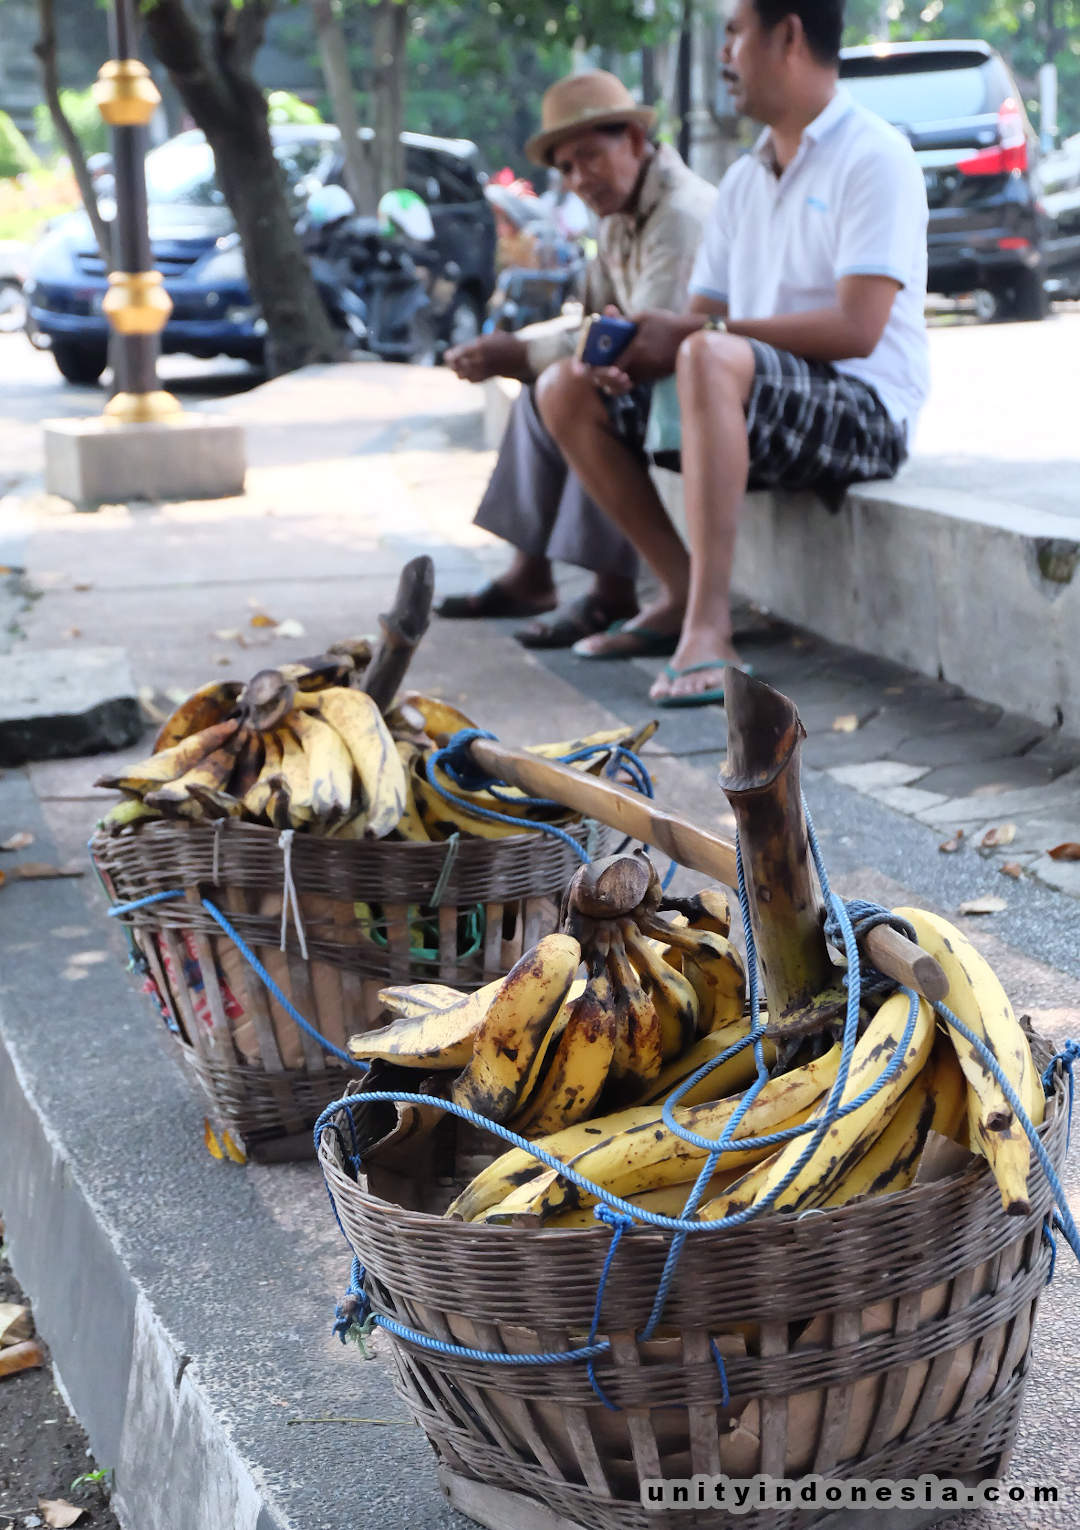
x=354, y=1309
x=1067, y=1057
x=618, y=1224
x=455, y=758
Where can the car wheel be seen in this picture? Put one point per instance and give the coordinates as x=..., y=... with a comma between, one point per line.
x=1027, y=298
x=12, y=307
x=988, y=305
x=79, y=363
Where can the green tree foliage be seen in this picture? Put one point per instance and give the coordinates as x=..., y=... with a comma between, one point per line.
x=284, y=106
x=81, y=111
x=1017, y=28
x=16, y=155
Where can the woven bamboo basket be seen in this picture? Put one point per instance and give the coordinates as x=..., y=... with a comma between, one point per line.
x=884, y=1339
x=268, y=1079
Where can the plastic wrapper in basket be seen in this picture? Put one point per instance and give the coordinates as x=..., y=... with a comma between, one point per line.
x=357, y=916
x=884, y=1339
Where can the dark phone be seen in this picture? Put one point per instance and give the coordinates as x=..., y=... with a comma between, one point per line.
x=604, y=339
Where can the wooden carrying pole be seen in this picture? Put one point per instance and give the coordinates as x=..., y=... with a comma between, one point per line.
x=644, y=819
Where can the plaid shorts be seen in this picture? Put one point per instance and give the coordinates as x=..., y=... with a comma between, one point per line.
x=812, y=427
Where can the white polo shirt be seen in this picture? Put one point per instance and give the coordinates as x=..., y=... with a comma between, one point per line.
x=851, y=203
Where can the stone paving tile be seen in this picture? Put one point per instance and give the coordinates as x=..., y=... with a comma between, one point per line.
x=876, y=775
x=908, y=799
x=990, y=777
x=954, y=747
x=1064, y=794
x=878, y=740
x=1064, y=875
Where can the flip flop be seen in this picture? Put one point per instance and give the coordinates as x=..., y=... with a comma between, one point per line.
x=714, y=696
x=644, y=643
x=582, y=618
x=492, y=602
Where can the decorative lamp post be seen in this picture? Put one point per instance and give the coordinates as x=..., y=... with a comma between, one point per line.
x=136, y=304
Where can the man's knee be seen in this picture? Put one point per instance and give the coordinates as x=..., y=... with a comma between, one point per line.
x=563, y=398
x=710, y=366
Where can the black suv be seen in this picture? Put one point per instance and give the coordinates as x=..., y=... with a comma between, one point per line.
x=965, y=117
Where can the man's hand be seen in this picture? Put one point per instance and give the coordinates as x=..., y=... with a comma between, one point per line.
x=649, y=356
x=496, y=355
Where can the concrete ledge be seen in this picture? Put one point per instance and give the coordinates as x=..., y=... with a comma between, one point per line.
x=96, y=461
x=57, y=703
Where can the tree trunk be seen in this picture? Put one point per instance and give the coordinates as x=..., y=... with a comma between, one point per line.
x=390, y=32
x=333, y=51
x=214, y=78
x=762, y=783
x=45, y=48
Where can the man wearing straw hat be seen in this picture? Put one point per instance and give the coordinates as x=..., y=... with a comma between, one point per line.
x=651, y=212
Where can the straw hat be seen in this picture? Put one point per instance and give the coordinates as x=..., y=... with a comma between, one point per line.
x=580, y=103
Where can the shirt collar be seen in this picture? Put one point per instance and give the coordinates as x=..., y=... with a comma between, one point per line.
x=814, y=132
x=654, y=184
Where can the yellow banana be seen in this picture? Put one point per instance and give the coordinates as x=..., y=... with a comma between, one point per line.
x=410, y=826
x=977, y=998
x=441, y=818
x=170, y=764
x=441, y=719
x=412, y=1001
x=574, y=1077
x=638, y=1037
x=257, y=798
x=211, y=772
x=131, y=810
x=293, y=782
x=727, y=1078
x=935, y=1101
x=845, y=1141
x=667, y=1201
x=330, y=768
x=208, y=705
x=367, y=738
x=249, y=764
x=317, y=674
x=517, y=1021
x=673, y=998
x=633, y=1150
x=711, y=965
x=441, y=1036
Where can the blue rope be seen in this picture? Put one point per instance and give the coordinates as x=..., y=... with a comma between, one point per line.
x=619, y=1225
x=130, y=908
x=1067, y=1057
x=1051, y=1225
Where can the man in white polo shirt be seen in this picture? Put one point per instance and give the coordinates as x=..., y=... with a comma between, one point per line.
x=802, y=362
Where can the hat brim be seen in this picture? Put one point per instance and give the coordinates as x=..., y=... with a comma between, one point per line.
x=539, y=148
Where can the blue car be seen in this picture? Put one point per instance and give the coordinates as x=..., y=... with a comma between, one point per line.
x=197, y=249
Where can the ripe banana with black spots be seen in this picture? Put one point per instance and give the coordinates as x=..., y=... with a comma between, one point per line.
x=633, y=1150
x=161, y=769
x=976, y=998
x=432, y=1037
x=574, y=1077
x=672, y=995
x=936, y=1100
x=638, y=1052
x=412, y=1001
x=410, y=826
x=846, y=1140
x=212, y=771
x=713, y=968
x=516, y=1023
x=208, y=705
x=293, y=787
x=726, y=1078
x=256, y=799
x=329, y=765
x=378, y=765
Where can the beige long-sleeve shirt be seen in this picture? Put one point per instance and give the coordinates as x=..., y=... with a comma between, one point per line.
x=645, y=257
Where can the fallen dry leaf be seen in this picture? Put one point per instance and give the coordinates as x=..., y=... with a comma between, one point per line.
x=849, y=723
x=1002, y=834
x=290, y=628
x=260, y=619
x=1070, y=851
x=1012, y=869
x=983, y=906
x=18, y=841
x=58, y=1513
x=223, y=658
x=41, y=871
x=951, y=846
x=73, y=632
x=82, y=587
x=228, y=634
x=3, y=878
x=213, y=1146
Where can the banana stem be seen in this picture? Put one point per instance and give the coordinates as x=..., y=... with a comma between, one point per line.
x=763, y=784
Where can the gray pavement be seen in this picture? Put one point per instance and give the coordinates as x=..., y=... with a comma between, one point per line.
x=354, y=470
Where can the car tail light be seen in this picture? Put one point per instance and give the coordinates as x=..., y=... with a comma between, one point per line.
x=1014, y=242
x=1009, y=153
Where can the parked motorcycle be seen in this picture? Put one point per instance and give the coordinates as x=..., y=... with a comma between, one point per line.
x=382, y=279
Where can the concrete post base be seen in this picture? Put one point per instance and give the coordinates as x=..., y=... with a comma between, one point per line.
x=98, y=461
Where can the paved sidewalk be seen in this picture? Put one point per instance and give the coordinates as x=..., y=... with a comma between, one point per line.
x=224, y=1280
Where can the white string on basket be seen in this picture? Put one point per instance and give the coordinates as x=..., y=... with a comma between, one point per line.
x=290, y=903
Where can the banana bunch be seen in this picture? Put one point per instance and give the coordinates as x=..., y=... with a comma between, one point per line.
x=299, y=747
x=437, y=807
x=581, y=1046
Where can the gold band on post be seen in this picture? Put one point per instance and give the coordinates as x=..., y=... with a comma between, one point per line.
x=136, y=302
x=124, y=93
x=142, y=408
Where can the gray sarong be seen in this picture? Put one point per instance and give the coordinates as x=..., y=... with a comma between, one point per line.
x=535, y=502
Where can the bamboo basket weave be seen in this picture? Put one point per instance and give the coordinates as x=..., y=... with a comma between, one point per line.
x=267, y=1078
x=884, y=1339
